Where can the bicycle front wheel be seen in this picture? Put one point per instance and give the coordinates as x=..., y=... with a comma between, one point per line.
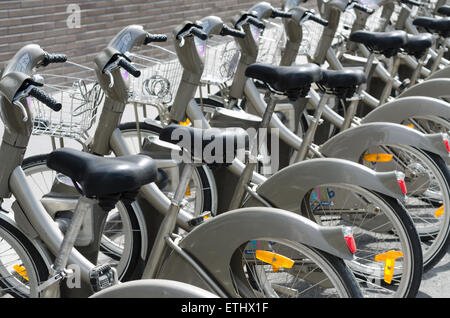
x=388, y=261
x=22, y=267
x=123, y=235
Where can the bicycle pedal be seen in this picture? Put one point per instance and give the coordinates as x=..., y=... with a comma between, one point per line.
x=102, y=276
x=200, y=219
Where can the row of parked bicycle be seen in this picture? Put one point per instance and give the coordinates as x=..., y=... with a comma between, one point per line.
x=341, y=191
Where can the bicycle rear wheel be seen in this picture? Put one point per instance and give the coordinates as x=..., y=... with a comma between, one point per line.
x=274, y=268
x=428, y=199
x=384, y=234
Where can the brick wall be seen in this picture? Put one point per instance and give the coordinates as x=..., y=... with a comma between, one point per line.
x=44, y=22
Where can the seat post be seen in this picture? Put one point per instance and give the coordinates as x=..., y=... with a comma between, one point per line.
x=442, y=49
x=352, y=108
x=168, y=224
x=311, y=132
x=84, y=206
x=418, y=70
x=388, y=87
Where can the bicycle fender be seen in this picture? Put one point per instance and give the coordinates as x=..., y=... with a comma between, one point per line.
x=437, y=88
x=287, y=188
x=408, y=107
x=213, y=243
x=444, y=74
x=153, y=288
x=353, y=142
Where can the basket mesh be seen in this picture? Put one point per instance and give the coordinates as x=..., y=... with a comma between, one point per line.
x=80, y=99
x=160, y=78
x=221, y=60
x=270, y=42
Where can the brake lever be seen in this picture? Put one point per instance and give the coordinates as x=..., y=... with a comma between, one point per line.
x=305, y=17
x=107, y=70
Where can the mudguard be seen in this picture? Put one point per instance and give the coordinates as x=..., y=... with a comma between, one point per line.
x=402, y=109
x=352, y=143
x=287, y=188
x=213, y=243
x=153, y=288
x=437, y=88
x=444, y=74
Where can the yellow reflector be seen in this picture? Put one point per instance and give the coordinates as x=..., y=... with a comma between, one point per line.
x=185, y=123
x=389, y=259
x=439, y=211
x=207, y=216
x=378, y=157
x=274, y=259
x=21, y=271
x=188, y=191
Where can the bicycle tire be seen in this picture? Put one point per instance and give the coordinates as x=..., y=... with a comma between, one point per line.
x=39, y=273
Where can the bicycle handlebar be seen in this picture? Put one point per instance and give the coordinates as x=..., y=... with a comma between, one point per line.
x=44, y=98
x=129, y=67
x=413, y=2
x=319, y=20
x=155, y=38
x=229, y=31
x=199, y=33
x=53, y=58
x=363, y=8
x=280, y=14
x=256, y=22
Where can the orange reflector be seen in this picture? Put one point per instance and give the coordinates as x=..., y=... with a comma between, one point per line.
x=439, y=211
x=188, y=191
x=378, y=157
x=21, y=271
x=389, y=259
x=274, y=259
x=185, y=123
x=409, y=125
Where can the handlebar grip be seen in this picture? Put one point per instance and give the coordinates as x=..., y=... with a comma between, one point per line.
x=318, y=20
x=129, y=67
x=155, y=38
x=363, y=8
x=199, y=33
x=229, y=31
x=44, y=98
x=256, y=22
x=280, y=14
x=53, y=58
x=413, y=2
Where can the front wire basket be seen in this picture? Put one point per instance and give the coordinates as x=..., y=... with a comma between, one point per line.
x=221, y=60
x=271, y=40
x=311, y=35
x=159, y=80
x=80, y=96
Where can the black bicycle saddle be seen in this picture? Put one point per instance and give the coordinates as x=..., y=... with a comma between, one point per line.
x=285, y=79
x=387, y=43
x=100, y=176
x=215, y=146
